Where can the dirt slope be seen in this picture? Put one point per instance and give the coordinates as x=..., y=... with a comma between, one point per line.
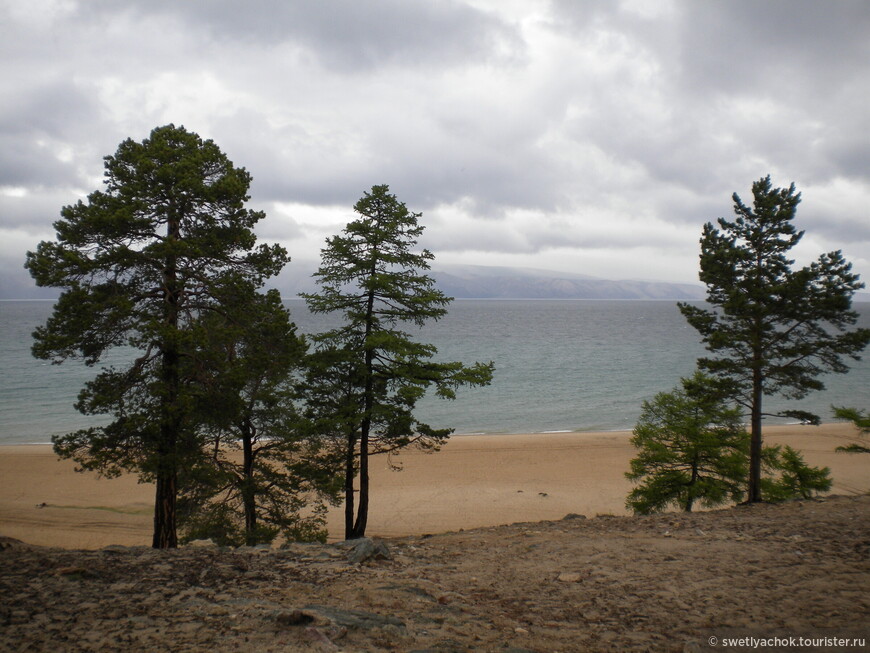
x=661, y=583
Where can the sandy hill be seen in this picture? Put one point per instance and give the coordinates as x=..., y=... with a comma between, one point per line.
x=661, y=583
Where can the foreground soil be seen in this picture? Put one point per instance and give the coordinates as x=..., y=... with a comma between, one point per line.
x=660, y=583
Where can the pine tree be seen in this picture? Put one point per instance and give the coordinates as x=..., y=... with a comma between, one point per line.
x=168, y=241
x=773, y=329
x=789, y=477
x=264, y=474
x=692, y=448
x=373, y=276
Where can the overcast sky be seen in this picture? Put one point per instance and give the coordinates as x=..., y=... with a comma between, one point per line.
x=589, y=137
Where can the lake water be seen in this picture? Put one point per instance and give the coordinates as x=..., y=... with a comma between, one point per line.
x=561, y=365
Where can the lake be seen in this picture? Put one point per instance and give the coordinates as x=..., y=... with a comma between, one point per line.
x=561, y=365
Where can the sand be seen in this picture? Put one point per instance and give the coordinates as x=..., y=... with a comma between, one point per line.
x=474, y=481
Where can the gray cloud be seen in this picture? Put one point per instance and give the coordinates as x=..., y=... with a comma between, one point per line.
x=350, y=36
x=776, y=46
x=33, y=214
x=44, y=135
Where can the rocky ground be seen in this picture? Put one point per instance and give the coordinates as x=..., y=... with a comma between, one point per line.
x=660, y=583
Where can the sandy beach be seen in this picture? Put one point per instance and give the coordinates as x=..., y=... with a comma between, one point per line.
x=474, y=481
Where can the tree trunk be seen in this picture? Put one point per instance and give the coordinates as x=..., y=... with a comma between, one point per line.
x=362, y=516
x=249, y=491
x=350, y=454
x=165, y=532
x=757, y=335
x=165, y=536
x=359, y=528
x=754, y=491
x=690, y=499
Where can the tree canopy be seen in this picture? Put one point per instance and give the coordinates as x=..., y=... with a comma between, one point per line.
x=772, y=329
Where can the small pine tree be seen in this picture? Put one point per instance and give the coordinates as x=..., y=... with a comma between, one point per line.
x=796, y=479
x=265, y=474
x=692, y=448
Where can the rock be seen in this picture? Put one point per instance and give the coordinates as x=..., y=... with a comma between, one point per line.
x=447, y=598
x=368, y=549
x=295, y=618
x=570, y=577
x=351, y=619
x=204, y=544
x=573, y=515
x=10, y=542
x=320, y=638
x=75, y=572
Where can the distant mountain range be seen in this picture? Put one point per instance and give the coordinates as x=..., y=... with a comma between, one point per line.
x=495, y=282
x=484, y=282
x=478, y=282
x=492, y=282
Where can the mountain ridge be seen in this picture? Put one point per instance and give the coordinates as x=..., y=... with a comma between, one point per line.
x=482, y=282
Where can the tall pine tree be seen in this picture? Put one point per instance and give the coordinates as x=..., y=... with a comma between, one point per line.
x=377, y=372
x=168, y=241
x=772, y=329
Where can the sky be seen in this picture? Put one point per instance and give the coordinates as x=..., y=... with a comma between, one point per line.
x=590, y=137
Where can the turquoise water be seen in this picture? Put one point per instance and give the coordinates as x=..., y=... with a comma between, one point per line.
x=561, y=365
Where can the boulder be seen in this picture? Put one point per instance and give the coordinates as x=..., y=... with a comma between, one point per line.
x=367, y=549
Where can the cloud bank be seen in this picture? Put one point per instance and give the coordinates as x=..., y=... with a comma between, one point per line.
x=580, y=136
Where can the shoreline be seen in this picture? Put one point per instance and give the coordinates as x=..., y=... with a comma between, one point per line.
x=474, y=481
x=577, y=431
x=487, y=434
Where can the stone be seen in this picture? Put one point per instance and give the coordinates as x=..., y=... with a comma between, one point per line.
x=324, y=642
x=368, y=549
x=570, y=577
x=351, y=619
x=76, y=573
x=10, y=542
x=206, y=544
x=295, y=618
